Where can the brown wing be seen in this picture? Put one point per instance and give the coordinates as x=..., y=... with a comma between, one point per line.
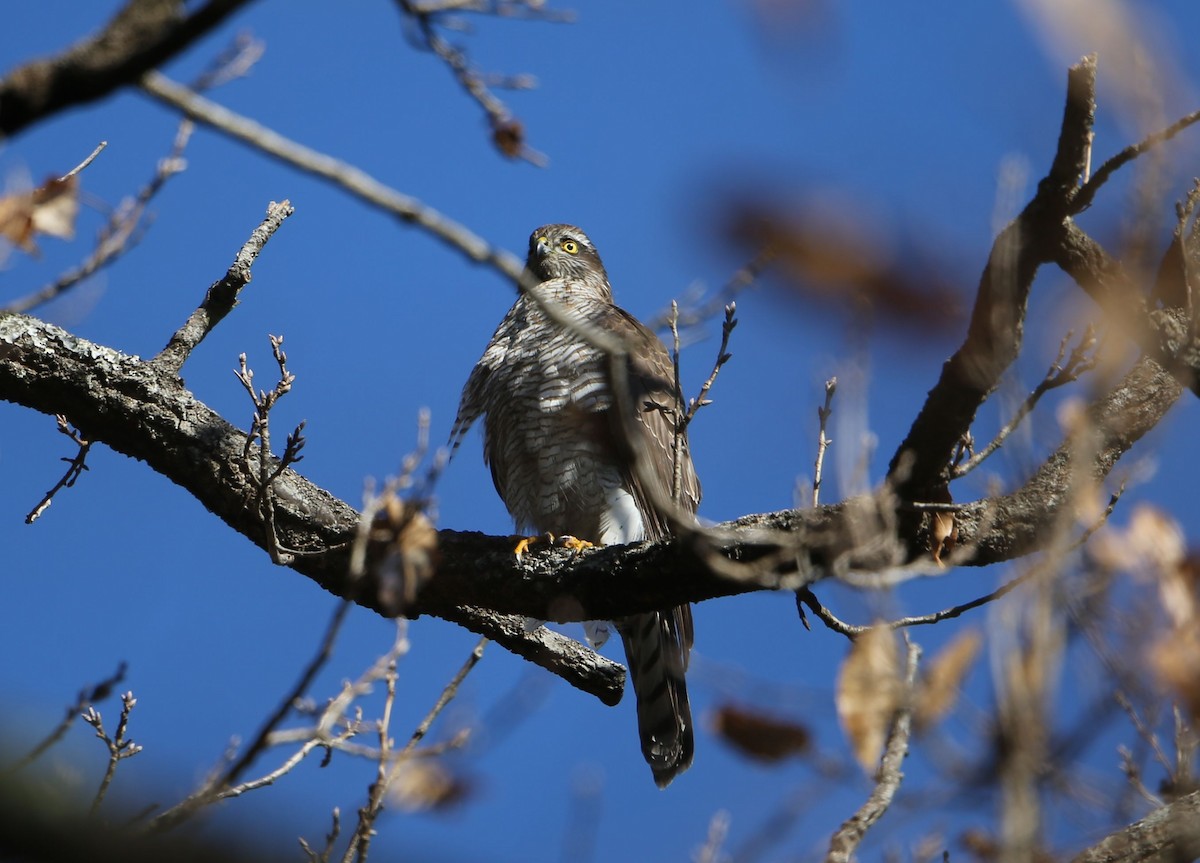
x=654, y=403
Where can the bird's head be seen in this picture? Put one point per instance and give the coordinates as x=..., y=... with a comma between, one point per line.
x=565, y=252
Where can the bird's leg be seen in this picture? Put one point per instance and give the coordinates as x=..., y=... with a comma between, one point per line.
x=574, y=543
x=565, y=541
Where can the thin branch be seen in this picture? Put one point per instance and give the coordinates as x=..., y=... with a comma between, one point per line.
x=318, y=661
x=119, y=747
x=347, y=177
x=321, y=736
x=852, y=631
x=691, y=315
x=823, y=414
x=718, y=830
x=1082, y=199
x=887, y=782
x=118, y=236
x=508, y=134
x=805, y=596
x=222, y=296
x=260, y=428
x=1082, y=359
x=91, y=158
x=723, y=356
x=677, y=437
x=1146, y=734
x=75, y=468
x=330, y=838
x=87, y=696
x=682, y=419
x=360, y=843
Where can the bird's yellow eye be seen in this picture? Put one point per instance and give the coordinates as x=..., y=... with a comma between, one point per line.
x=570, y=247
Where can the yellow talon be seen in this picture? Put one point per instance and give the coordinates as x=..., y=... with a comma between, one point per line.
x=526, y=542
x=567, y=541
x=573, y=543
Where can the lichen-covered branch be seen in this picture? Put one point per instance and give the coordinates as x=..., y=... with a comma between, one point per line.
x=141, y=36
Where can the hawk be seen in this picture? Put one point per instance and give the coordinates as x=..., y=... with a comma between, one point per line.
x=551, y=437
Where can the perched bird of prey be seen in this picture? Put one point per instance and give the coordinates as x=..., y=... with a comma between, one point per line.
x=553, y=441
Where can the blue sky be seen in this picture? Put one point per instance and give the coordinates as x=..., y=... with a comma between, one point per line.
x=653, y=120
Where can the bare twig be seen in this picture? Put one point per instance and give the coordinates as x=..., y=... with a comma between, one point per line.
x=260, y=429
x=677, y=437
x=723, y=356
x=1146, y=734
x=234, y=62
x=75, y=468
x=851, y=833
x=852, y=631
x=331, y=731
x=361, y=841
x=330, y=838
x=1081, y=360
x=718, y=829
x=693, y=312
x=1133, y=773
x=1082, y=198
x=318, y=661
x=87, y=696
x=222, y=295
x=119, y=747
x=805, y=596
x=681, y=418
x=347, y=177
x=823, y=414
x=118, y=236
x=91, y=158
x=508, y=134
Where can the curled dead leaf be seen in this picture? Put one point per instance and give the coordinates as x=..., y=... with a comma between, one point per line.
x=869, y=691
x=833, y=251
x=405, y=547
x=943, y=534
x=942, y=682
x=49, y=209
x=509, y=137
x=1152, y=544
x=426, y=784
x=1175, y=656
x=759, y=736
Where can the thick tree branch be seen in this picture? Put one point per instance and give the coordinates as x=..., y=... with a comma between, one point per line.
x=141, y=36
x=1165, y=334
x=1007, y=527
x=144, y=411
x=1167, y=835
x=995, y=334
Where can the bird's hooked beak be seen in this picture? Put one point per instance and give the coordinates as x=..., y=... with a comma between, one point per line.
x=542, y=246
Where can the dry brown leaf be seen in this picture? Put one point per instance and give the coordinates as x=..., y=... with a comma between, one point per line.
x=1153, y=544
x=425, y=784
x=868, y=693
x=1175, y=657
x=509, y=137
x=942, y=682
x=409, y=553
x=766, y=738
x=50, y=209
x=943, y=534
x=833, y=251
